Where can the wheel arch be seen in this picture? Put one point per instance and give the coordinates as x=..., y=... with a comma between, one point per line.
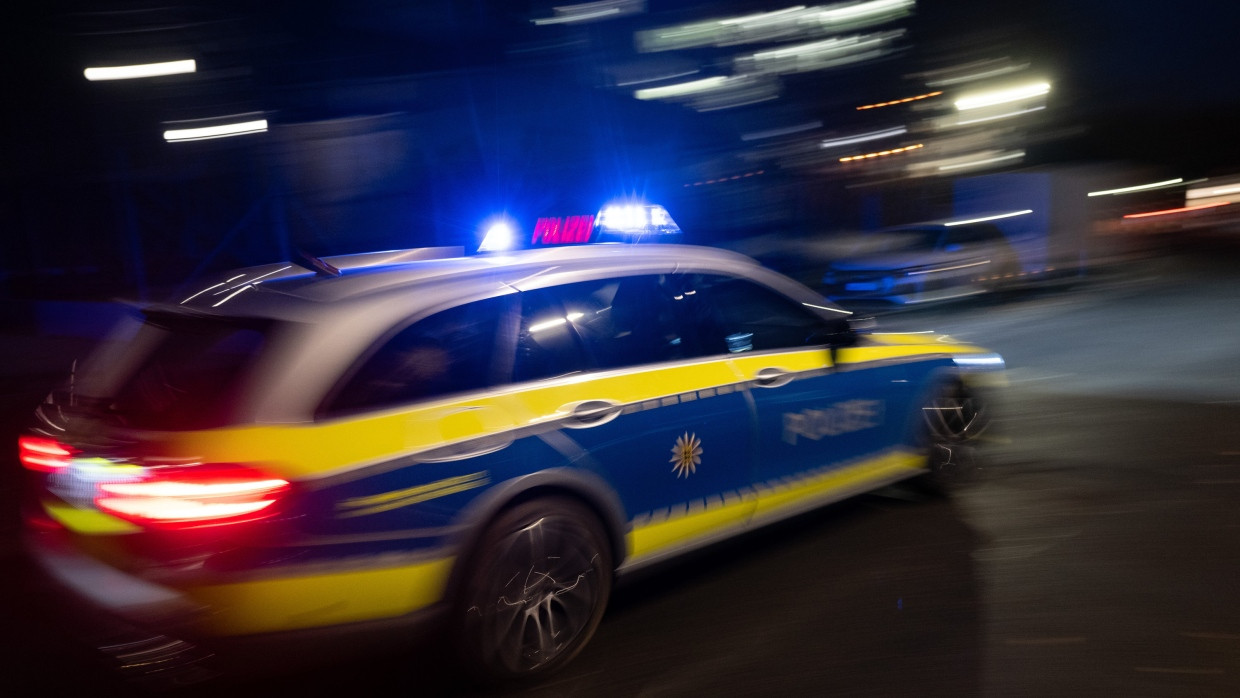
x=584, y=487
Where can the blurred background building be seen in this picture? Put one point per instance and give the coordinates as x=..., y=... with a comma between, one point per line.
x=272, y=128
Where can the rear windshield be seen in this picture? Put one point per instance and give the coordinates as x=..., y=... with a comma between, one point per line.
x=179, y=372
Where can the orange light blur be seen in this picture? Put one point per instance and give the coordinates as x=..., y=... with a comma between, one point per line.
x=883, y=153
x=1176, y=210
x=900, y=101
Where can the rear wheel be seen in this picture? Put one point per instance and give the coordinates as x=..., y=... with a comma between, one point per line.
x=535, y=590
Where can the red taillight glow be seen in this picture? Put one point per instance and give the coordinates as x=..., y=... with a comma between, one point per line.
x=42, y=454
x=193, y=496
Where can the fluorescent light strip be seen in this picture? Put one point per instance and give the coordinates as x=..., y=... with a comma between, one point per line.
x=146, y=70
x=222, y=131
x=983, y=219
x=1141, y=187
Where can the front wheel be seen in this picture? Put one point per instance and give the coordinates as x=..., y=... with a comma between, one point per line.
x=952, y=419
x=535, y=591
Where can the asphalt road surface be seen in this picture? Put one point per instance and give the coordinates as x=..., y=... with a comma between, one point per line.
x=1097, y=553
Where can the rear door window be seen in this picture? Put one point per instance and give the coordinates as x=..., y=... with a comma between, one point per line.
x=453, y=351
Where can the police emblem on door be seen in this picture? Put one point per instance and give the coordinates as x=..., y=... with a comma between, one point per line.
x=686, y=455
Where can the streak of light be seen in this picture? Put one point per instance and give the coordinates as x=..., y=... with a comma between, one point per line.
x=863, y=137
x=145, y=70
x=1170, y=211
x=1000, y=116
x=883, y=153
x=986, y=161
x=222, y=131
x=1141, y=187
x=772, y=133
x=1203, y=193
x=983, y=219
x=1013, y=94
x=928, y=95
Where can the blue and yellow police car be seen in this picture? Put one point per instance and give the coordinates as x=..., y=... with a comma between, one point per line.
x=481, y=443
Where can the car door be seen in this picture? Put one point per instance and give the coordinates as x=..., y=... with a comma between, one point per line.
x=821, y=430
x=660, y=419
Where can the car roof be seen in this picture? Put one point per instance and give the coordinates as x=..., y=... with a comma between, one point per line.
x=293, y=290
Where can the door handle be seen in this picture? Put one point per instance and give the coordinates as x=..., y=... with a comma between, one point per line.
x=591, y=413
x=772, y=378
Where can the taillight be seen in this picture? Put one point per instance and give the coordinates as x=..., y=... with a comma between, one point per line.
x=193, y=496
x=42, y=454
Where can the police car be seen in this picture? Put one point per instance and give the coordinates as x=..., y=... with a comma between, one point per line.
x=482, y=443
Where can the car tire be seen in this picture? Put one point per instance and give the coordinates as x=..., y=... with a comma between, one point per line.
x=951, y=420
x=534, y=592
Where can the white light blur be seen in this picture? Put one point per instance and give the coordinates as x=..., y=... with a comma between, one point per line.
x=939, y=270
x=624, y=218
x=144, y=70
x=221, y=131
x=1141, y=187
x=222, y=283
x=717, y=92
x=592, y=11
x=775, y=132
x=764, y=17
x=983, y=161
x=823, y=307
x=556, y=322
x=994, y=361
x=977, y=76
x=231, y=295
x=1218, y=191
x=996, y=117
x=671, y=76
x=818, y=55
x=499, y=237
x=681, y=89
x=996, y=217
x=789, y=24
x=1014, y=94
x=863, y=137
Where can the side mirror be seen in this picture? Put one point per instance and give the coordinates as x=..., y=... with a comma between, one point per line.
x=837, y=333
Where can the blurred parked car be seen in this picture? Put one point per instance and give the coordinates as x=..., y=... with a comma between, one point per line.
x=923, y=263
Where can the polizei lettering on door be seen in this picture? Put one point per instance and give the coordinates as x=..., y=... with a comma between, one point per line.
x=840, y=418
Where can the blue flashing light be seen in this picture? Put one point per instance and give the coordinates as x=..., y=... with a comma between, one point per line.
x=499, y=237
x=619, y=221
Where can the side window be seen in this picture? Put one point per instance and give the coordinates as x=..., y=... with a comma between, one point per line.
x=745, y=316
x=449, y=352
x=606, y=324
x=546, y=344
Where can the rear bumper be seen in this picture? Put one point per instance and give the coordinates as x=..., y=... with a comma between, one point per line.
x=158, y=636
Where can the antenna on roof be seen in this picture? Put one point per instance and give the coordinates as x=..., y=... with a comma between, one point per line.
x=314, y=264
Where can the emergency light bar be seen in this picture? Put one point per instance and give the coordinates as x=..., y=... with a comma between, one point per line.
x=629, y=222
